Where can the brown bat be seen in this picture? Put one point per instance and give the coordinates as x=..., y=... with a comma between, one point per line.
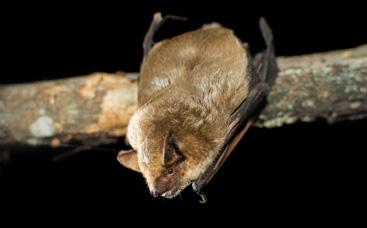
x=199, y=92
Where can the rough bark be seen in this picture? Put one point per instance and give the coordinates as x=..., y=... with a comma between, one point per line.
x=330, y=85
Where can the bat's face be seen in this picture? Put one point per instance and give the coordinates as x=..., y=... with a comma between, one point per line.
x=169, y=156
x=165, y=167
x=170, y=167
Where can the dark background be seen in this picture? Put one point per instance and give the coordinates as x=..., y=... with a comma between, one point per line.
x=295, y=173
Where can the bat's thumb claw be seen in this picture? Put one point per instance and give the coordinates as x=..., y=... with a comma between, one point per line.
x=203, y=199
x=197, y=190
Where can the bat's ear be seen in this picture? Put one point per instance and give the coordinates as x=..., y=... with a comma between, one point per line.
x=171, y=151
x=129, y=159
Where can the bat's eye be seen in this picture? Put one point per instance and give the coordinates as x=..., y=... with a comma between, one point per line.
x=170, y=172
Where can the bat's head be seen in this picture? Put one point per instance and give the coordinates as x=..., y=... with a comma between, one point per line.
x=171, y=152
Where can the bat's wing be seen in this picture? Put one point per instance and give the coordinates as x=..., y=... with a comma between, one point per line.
x=148, y=42
x=265, y=72
x=156, y=23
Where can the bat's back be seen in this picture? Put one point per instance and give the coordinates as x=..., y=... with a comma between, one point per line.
x=209, y=65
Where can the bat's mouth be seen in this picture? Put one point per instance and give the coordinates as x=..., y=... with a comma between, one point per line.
x=170, y=194
x=173, y=193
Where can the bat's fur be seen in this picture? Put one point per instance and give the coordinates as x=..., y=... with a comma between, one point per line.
x=189, y=87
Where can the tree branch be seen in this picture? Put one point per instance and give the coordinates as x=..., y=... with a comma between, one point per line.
x=97, y=107
x=331, y=85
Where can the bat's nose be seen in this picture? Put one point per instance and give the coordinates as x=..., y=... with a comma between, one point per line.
x=160, y=186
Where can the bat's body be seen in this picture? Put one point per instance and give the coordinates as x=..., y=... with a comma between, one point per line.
x=197, y=95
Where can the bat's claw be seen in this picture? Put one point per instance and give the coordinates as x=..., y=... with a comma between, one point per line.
x=197, y=190
x=203, y=199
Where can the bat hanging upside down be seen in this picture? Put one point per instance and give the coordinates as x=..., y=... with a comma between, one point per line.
x=199, y=92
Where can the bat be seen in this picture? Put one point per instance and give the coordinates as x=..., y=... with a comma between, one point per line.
x=199, y=92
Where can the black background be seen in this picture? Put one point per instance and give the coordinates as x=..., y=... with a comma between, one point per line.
x=296, y=173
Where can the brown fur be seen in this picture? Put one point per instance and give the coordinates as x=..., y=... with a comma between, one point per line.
x=189, y=87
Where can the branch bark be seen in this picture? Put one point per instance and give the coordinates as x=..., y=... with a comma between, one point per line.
x=330, y=85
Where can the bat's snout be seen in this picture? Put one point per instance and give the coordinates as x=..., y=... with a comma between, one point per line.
x=165, y=193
